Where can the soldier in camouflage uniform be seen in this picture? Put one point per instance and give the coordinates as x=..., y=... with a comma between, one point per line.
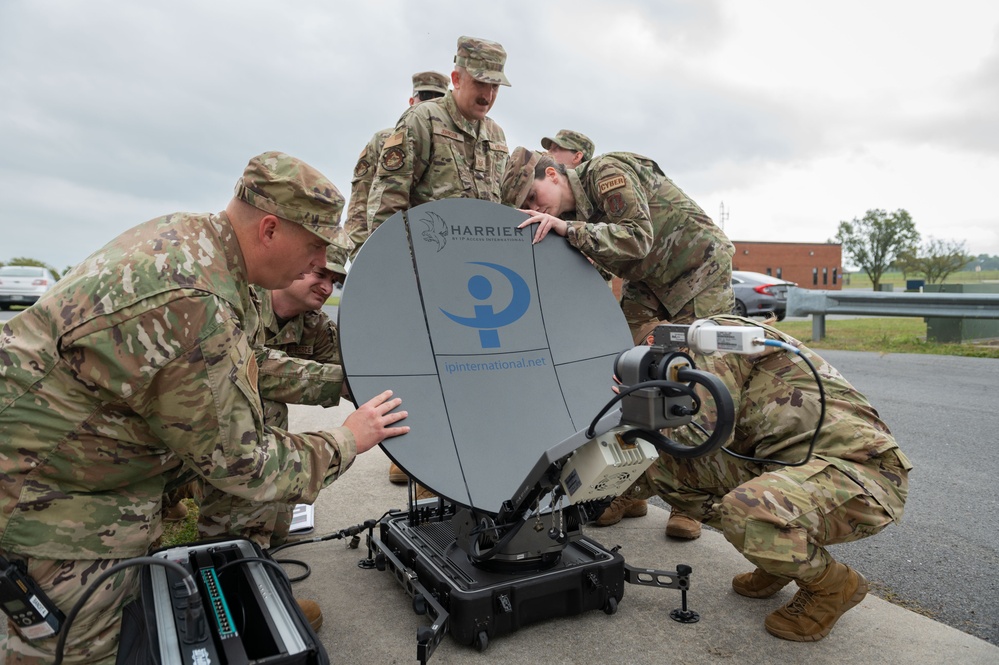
x=294, y=329
x=569, y=148
x=633, y=222
x=781, y=518
x=426, y=86
x=446, y=148
x=138, y=365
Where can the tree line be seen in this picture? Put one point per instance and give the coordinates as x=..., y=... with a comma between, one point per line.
x=881, y=241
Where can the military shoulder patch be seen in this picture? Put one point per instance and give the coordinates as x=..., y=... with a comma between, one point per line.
x=395, y=139
x=616, y=205
x=393, y=158
x=362, y=167
x=611, y=183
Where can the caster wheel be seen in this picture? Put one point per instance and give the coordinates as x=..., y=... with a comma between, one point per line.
x=481, y=641
x=611, y=606
x=419, y=604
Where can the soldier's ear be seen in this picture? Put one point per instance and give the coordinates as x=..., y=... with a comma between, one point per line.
x=552, y=174
x=267, y=229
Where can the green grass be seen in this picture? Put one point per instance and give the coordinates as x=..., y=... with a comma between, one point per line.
x=184, y=531
x=860, y=280
x=883, y=335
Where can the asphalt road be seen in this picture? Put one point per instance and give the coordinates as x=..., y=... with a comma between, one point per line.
x=942, y=560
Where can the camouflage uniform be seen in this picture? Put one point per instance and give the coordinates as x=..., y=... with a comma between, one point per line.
x=284, y=380
x=638, y=225
x=570, y=140
x=782, y=517
x=137, y=365
x=356, y=224
x=436, y=153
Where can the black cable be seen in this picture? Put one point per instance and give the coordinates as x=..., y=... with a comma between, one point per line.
x=296, y=562
x=253, y=559
x=342, y=533
x=723, y=426
x=678, y=388
x=194, y=597
x=818, y=426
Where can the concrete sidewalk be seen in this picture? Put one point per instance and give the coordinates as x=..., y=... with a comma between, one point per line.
x=369, y=617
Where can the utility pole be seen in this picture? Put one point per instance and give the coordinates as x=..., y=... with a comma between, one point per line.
x=722, y=216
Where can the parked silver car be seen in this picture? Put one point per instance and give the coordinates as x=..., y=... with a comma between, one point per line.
x=757, y=294
x=23, y=285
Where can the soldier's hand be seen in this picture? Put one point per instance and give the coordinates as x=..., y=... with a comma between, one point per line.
x=370, y=423
x=545, y=224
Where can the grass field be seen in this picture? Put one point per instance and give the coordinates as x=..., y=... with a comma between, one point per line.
x=887, y=335
x=891, y=334
x=860, y=280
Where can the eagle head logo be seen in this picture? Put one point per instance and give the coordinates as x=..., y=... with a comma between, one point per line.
x=435, y=230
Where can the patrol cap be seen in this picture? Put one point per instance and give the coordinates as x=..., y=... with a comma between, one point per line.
x=483, y=59
x=518, y=176
x=431, y=82
x=570, y=140
x=291, y=189
x=336, y=258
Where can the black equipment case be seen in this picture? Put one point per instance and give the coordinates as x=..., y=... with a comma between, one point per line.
x=250, y=614
x=475, y=604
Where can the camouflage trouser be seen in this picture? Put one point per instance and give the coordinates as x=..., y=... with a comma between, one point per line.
x=222, y=514
x=641, y=306
x=93, y=637
x=783, y=519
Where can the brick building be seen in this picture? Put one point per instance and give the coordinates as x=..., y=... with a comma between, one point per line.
x=816, y=265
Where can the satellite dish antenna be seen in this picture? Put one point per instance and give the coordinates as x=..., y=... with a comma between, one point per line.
x=499, y=348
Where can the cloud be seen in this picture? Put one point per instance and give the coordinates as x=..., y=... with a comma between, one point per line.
x=117, y=112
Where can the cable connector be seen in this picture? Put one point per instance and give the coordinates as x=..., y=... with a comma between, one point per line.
x=705, y=336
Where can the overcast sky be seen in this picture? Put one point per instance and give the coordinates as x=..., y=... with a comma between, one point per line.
x=793, y=115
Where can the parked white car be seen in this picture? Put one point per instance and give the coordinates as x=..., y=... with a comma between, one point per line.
x=23, y=285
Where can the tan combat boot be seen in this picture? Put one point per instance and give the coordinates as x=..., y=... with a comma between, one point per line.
x=817, y=606
x=622, y=507
x=682, y=526
x=396, y=475
x=758, y=584
x=423, y=493
x=313, y=614
x=175, y=513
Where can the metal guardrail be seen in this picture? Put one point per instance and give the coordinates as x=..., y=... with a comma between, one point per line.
x=805, y=302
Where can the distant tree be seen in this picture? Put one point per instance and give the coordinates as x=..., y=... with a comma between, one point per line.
x=875, y=241
x=935, y=260
x=25, y=261
x=982, y=262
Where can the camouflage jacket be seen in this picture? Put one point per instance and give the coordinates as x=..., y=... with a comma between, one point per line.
x=436, y=153
x=300, y=362
x=777, y=407
x=139, y=363
x=356, y=224
x=638, y=225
